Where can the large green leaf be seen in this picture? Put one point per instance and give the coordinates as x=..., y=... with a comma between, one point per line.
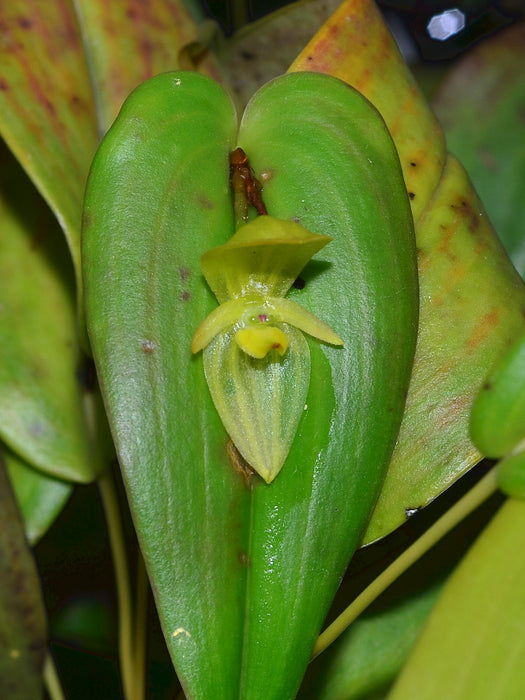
x=145, y=298
x=235, y=563
x=472, y=308
x=473, y=644
x=471, y=300
x=41, y=398
x=22, y=614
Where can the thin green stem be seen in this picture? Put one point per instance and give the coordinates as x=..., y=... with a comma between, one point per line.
x=51, y=679
x=111, y=507
x=470, y=501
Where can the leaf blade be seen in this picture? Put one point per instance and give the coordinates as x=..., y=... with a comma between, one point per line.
x=158, y=197
x=297, y=132
x=41, y=399
x=54, y=141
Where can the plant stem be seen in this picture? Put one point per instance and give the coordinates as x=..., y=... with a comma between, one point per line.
x=468, y=503
x=118, y=549
x=51, y=679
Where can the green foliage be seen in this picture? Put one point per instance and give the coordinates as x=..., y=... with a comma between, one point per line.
x=144, y=298
x=244, y=572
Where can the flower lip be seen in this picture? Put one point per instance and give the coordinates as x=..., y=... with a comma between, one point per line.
x=258, y=340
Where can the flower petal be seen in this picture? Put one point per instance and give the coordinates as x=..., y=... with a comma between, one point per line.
x=263, y=257
x=260, y=401
x=289, y=311
x=257, y=341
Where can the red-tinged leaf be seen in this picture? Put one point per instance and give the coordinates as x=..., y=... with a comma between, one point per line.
x=356, y=46
x=129, y=41
x=47, y=112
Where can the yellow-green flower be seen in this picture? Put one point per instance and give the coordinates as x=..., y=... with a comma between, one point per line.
x=256, y=360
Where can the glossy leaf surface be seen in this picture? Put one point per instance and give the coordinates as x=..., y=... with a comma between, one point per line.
x=41, y=399
x=158, y=198
x=152, y=209
x=22, y=613
x=460, y=257
x=473, y=644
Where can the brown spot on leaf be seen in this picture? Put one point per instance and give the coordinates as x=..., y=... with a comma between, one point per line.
x=148, y=347
x=4, y=86
x=411, y=195
x=240, y=465
x=24, y=22
x=463, y=207
x=204, y=202
x=184, y=273
x=185, y=296
x=244, y=559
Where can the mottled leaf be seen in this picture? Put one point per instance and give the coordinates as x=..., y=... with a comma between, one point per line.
x=47, y=112
x=264, y=49
x=128, y=41
x=472, y=308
